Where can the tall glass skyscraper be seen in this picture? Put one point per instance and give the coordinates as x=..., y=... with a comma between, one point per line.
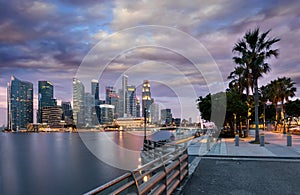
x=45, y=98
x=95, y=89
x=123, y=97
x=19, y=104
x=78, y=102
x=131, y=101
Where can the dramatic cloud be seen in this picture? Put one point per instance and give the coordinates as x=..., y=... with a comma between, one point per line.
x=48, y=40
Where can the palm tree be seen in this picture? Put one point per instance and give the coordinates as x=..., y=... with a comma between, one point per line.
x=240, y=82
x=284, y=90
x=253, y=50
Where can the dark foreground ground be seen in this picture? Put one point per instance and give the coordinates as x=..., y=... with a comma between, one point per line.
x=219, y=176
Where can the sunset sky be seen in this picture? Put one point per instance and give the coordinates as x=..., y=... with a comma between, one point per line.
x=48, y=40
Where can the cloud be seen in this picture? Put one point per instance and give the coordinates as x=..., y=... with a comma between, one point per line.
x=49, y=40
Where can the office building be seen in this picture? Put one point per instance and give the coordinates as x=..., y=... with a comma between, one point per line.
x=67, y=112
x=78, y=102
x=52, y=115
x=95, y=89
x=166, y=117
x=106, y=113
x=90, y=116
x=154, y=113
x=138, y=107
x=45, y=97
x=112, y=98
x=131, y=101
x=19, y=104
x=146, y=100
x=123, y=97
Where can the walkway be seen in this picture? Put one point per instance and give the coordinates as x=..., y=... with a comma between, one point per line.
x=276, y=147
x=244, y=169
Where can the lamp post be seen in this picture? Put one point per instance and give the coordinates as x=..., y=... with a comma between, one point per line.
x=145, y=134
x=145, y=122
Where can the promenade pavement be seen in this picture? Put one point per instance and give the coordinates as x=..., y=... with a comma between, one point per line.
x=276, y=146
x=224, y=168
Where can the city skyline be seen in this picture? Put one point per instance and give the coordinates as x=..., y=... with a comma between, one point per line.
x=48, y=105
x=48, y=41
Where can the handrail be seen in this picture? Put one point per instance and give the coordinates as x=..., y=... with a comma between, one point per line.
x=161, y=176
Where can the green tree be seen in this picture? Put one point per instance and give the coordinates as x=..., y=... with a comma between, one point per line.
x=282, y=89
x=253, y=50
x=292, y=108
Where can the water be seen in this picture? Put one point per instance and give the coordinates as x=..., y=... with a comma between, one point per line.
x=60, y=163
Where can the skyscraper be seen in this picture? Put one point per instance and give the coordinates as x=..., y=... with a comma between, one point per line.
x=112, y=98
x=138, y=107
x=166, y=116
x=19, y=104
x=107, y=113
x=154, y=113
x=78, y=102
x=131, y=101
x=123, y=97
x=95, y=89
x=52, y=115
x=45, y=97
x=67, y=112
x=146, y=99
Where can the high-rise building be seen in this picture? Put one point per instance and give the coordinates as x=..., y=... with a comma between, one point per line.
x=146, y=99
x=138, y=107
x=78, y=102
x=166, y=116
x=131, y=101
x=123, y=97
x=107, y=113
x=67, y=112
x=52, y=115
x=95, y=89
x=45, y=97
x=154, y=113
x=19, y=104
x=90, y=116
x=112, y=98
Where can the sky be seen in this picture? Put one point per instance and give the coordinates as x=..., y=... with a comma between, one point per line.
x=182, y=47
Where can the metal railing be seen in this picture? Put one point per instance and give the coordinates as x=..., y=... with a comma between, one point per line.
x=161, y=176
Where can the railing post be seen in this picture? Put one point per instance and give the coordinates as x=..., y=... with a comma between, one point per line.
x=237, y=140
x=262, y=140
x=289, y=139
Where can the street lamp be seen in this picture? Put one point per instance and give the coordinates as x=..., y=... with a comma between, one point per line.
x=145, y=134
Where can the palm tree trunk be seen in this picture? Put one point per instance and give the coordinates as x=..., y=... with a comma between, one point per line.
x=256, y=110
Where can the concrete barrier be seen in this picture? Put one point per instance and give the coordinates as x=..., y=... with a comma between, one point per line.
x=262, y=140
x=289, y=140
x=237, y=140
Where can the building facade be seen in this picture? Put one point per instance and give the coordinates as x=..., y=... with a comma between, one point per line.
x=106, y=113
x=52, y=115
x=131, y=101
x=67, y=112
x=154, y=113
x=78, y=102
x=166, y=117
x=45, y=97
x=19, y=104
x=146, y=100
x=123, y=97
